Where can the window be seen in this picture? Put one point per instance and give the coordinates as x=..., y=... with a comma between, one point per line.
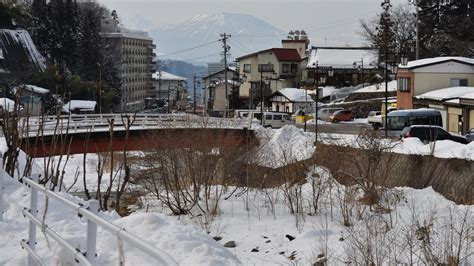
x=286, y=68
x=458, y=82
x=247, y=68
x=404, y=84
x=277, y=117
x=294, y=68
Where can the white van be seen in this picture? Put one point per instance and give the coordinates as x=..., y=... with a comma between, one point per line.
x=276, y=120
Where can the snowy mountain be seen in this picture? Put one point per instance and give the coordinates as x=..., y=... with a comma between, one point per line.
x=249, y=34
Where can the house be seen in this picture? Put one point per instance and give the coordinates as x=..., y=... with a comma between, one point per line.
x=7, y=105
x=456, y=105
x=217, y=105
x=289, y=100
x=350, y=65
x=166, y=87
x=425, y=75
x=33, y=98
x=210, y=83
x=133, y=50
x=269, y=70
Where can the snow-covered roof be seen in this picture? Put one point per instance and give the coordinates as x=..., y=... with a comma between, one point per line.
x=34, y=89
x=437, y=60
x=166, y=76
x=7, y=104
x=79, y=105
x=229, y=81
x=446, y=94
x=325, y=91
x=296, y=95
x=392, y=86
x=343, y=57
x=232, y=69
x=469, y=96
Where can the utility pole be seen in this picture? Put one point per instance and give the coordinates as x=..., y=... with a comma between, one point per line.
x=194, y=94
x=225, y=36
x=417, y=38
x=100, y=88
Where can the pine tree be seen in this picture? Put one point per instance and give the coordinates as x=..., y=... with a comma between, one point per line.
x=385, y=34
x=39, y=12
x=446, y=27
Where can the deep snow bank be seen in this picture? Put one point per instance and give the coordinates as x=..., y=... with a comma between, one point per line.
x=187, y=244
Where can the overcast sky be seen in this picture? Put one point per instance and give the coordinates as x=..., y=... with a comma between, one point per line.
x=333, y=20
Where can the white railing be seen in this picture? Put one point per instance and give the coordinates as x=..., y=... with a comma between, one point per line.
x=100, y=122
x=87, y=257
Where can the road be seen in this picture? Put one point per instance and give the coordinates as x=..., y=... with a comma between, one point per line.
x=339, y=128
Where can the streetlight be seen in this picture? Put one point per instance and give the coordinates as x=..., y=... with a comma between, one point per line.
x=361, y=69
x=264, y=68
x=322, y=79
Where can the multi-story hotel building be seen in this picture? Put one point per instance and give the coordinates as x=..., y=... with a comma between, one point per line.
x=133, y=51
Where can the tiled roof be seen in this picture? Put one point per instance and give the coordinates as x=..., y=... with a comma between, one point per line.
x=282, y=54
x=286, y=54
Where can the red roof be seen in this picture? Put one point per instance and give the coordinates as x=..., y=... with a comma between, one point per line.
x=286, y=54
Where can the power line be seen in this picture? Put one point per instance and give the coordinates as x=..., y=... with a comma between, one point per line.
x=200, y=57
x=189, y=49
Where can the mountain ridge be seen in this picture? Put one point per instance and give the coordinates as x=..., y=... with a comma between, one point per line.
x=249, y=34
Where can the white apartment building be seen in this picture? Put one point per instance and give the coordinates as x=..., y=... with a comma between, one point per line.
x=133, y=51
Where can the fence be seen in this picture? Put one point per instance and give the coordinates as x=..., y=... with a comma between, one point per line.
x=87, y=257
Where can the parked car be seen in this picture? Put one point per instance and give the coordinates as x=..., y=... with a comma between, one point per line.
x=470, y=135
x=324, y=113
x=341, y=115
x=276, y=120
x=303, y=113
x=428, y=133
x=375, y=118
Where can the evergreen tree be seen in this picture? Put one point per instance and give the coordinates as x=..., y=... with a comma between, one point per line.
x=385, y=34
x=39, y=12
x=446, y=27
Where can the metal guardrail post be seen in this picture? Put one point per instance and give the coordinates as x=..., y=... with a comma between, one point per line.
x=92, y=232
x=33, y=211
x=2, y=211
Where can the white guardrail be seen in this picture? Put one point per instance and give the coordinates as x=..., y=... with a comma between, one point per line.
x=82, y=257
x=100, y=122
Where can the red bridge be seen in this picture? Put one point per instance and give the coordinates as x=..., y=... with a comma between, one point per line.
x=49, y=136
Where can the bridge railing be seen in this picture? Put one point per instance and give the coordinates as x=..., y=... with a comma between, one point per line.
x=88, y=256
x=77, y=123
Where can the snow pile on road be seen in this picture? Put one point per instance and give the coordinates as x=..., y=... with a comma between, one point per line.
x=187, y=244
x=279, y=147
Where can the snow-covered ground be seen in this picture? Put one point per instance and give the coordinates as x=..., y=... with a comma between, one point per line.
x=187, y=244
x=260, y=222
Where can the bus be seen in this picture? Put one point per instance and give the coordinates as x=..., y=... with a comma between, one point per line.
x=398, y=120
